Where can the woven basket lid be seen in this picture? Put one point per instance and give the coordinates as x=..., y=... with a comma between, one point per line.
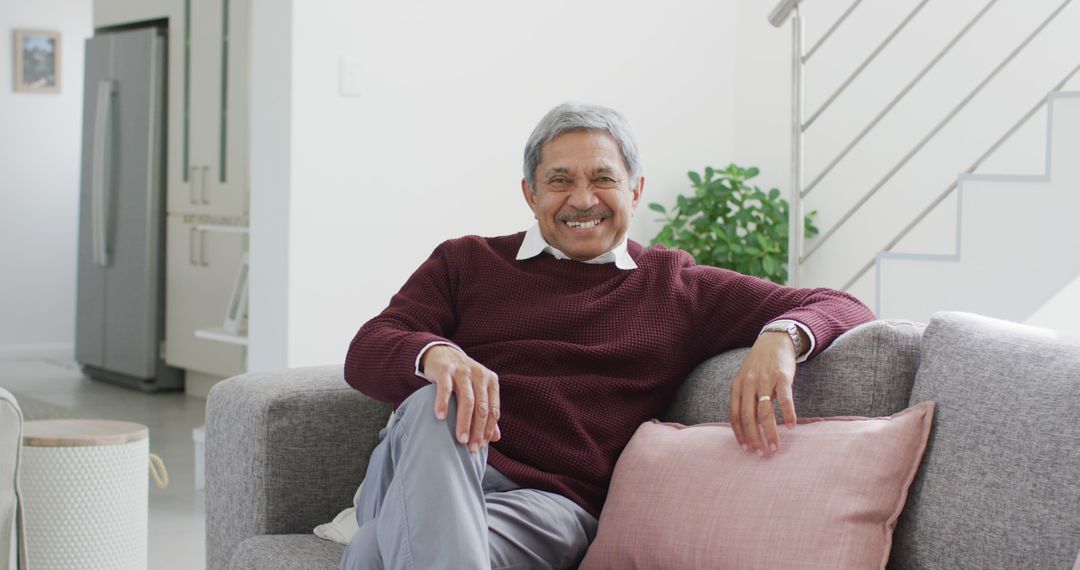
x=81, y=433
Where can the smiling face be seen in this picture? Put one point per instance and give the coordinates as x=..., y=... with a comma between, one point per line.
x=584, y=198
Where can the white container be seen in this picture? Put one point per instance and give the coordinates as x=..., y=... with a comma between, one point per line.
x=85, y=493
x=199, y=436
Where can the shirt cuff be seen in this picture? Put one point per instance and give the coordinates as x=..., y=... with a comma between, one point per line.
x=805, y=329
x=420, y=356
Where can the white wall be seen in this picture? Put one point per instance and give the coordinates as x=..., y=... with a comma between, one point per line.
x=270, y=172
x=1060, y=313
x=40, y=138
x=431, y=148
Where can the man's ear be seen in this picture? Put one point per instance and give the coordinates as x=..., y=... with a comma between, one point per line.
x=530, y=196
x=638, y=189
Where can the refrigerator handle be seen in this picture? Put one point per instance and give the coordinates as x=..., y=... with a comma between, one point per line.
x=100, y=173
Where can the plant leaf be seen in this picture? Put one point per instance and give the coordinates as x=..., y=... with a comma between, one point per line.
x=769, y=264
x=727, y=222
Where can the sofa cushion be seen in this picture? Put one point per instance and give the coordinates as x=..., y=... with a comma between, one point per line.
x=689, y=497
x=867, y=371
x=1000, y=484
x=287, y=552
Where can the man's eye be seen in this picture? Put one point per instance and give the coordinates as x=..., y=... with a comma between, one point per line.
x=605, y=182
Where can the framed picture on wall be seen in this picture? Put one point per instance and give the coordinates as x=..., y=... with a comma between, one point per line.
x=37, y=61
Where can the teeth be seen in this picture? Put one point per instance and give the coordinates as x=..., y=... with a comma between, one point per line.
x=591, y=224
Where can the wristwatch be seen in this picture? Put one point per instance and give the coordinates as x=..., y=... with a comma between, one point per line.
x=791, y=329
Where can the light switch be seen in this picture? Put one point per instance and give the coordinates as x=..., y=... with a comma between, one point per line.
x=350, y=76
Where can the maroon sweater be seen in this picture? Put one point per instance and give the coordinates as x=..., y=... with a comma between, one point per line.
x=584, y=353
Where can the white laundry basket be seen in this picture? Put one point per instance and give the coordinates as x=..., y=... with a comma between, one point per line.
x=85, y=490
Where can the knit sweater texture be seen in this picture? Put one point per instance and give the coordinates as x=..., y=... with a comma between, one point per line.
x=584, y=353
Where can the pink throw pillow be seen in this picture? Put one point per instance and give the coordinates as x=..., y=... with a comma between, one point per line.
x=689, y=497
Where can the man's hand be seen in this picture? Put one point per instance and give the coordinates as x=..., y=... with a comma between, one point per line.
x=477, y=389
x=768, y=370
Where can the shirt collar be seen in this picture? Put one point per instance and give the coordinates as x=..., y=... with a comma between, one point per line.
x=534, y=244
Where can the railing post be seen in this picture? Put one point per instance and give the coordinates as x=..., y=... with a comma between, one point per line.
x=795, y=210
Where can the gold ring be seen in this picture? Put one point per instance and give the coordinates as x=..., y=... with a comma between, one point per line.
x=763, y=398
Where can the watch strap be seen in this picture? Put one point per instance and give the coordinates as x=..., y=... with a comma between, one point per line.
x=792, y=331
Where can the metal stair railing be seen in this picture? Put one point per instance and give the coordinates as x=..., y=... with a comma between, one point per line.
x=865, y=63
x=790, y=8
x=903, y=92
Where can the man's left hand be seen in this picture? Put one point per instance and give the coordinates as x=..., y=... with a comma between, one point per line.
x=768, y=371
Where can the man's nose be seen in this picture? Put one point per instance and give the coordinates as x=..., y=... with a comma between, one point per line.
x=583, y=197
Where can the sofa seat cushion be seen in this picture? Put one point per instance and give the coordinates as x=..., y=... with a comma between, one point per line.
x=689, y=497
x=867, y=371
x=287, y=552
x=1000, y=483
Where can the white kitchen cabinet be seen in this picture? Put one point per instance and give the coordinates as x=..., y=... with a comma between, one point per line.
x=208, y=181
x=207, y=177
x=201, y=266
x=208, y=94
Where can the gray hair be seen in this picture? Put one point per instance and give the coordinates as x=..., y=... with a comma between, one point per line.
x=570, y=117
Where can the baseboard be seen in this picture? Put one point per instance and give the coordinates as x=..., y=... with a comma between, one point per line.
x=63, y=351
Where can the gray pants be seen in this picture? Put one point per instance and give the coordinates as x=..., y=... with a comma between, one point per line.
x=428, y=503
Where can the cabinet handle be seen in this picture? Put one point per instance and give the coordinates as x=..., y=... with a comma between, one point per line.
x=205, y=169
x=191, y=246
x=191, y=184
x=202, y=248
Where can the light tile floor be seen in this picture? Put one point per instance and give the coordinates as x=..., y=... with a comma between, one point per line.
x=49, y=389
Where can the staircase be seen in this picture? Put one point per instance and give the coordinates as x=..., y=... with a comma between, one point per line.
x=1017, y=240
x=915, y=92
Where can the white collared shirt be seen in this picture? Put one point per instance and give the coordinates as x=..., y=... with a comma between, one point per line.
x=534, y=244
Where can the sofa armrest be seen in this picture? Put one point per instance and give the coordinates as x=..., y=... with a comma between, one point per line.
x=285, y=451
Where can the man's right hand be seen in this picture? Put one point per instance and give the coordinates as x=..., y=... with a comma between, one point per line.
x=477, y=389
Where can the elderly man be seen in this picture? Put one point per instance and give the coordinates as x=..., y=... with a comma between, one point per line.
x=521, y=365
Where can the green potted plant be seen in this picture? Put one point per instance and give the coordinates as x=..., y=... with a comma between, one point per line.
x=728, y=223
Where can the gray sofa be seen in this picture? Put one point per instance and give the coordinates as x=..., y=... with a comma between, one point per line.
x=999, y=486
x=12, y=537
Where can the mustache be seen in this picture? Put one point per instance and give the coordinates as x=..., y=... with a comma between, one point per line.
x=579, y=215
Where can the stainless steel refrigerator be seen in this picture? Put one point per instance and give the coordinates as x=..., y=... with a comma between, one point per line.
x=120, y=317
